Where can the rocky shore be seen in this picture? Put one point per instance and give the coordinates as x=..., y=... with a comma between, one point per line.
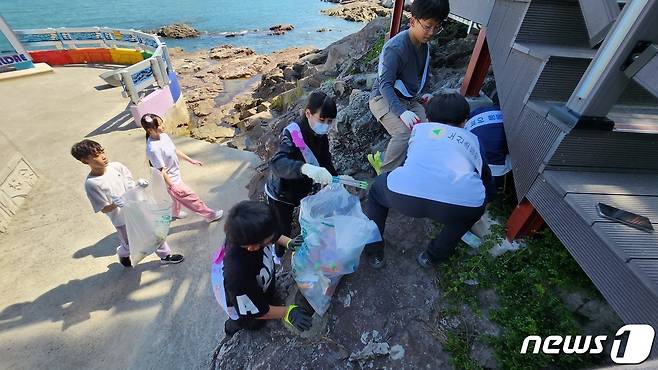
x=359, y=11
x=242, y=99
x=272, y=94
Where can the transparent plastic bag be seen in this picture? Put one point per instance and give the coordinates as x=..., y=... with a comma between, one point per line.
x=335, y=231
x=147, y=214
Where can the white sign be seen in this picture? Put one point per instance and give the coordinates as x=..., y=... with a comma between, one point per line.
x=638, y=344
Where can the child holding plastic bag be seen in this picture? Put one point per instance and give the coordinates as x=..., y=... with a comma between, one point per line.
x=302, y=159
x=106, y=183
x=163, y=155
x=243, y=274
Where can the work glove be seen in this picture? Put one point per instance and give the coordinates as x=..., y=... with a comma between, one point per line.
x=298, y=318
x=118, y=201
x=409, y=119
x=318, y=174
x=142, y=183
x=426, y=98
x=295, y=243
x=375, y=160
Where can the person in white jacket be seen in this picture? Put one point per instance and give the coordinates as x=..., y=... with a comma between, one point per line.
x=445, y=177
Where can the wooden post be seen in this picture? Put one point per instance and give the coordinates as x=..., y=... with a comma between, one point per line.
x=478, y=67
x=396, y=18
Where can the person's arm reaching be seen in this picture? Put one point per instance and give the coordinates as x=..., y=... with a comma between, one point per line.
x=282, y=163
x=187, y=158
x=292, y=315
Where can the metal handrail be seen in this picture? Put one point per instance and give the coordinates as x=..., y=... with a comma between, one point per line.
x=134, y=78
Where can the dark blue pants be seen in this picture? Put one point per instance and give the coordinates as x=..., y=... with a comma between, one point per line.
x=456, y=220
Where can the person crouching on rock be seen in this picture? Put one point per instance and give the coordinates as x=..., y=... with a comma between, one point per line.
x=445, y=178
x=302, y=159
x=243, y=274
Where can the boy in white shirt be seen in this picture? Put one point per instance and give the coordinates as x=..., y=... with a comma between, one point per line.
x=106, y=183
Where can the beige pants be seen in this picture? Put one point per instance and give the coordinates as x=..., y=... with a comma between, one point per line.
x=396, y=151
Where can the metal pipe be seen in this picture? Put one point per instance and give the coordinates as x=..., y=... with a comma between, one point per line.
x=607, y=52
x=604, y=82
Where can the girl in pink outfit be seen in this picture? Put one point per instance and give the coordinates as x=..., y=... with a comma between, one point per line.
x=163, y=155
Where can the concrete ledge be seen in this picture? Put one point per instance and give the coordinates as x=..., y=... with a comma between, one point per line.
x=38, y=69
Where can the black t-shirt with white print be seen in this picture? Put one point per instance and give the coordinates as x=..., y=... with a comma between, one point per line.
x=248, y=281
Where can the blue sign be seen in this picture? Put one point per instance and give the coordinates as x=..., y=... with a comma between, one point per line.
x=9, y=62
x=7, y=59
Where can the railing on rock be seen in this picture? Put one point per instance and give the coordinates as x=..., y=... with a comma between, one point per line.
x=146, y=56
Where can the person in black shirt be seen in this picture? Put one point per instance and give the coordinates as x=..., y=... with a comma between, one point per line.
x=243, y=273
x=292, y=169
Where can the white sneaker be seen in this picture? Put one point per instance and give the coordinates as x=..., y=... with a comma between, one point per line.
x=181, y=215
x=218, y=215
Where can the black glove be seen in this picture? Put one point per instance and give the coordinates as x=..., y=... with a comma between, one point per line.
x=295, y=243
x=298, y=318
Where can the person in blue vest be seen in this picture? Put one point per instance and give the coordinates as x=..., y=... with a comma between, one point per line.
x=402, y=79
x=487, y=124
x=445, y=178
x=302, y=160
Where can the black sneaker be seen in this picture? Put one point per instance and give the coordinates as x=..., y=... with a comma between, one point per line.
x=424, y=260
x=172, y=259
x=231, y=327
x=125, y=261
x=376, y=260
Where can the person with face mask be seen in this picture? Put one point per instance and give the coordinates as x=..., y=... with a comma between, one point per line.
x=302, y=160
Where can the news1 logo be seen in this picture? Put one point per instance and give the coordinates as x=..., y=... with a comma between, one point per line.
x=637, y=348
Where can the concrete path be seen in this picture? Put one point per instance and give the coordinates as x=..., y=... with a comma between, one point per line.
x=65, y=302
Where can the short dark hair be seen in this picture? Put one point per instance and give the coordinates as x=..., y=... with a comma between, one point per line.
x=451, y=109
x=430, y=9
x=250, y=222
x=318, y=101
x=86, y=148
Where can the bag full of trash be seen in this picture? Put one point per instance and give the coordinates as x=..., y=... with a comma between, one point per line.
x=335, y=231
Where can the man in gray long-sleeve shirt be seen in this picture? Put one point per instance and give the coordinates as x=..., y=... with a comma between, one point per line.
x=402, y=76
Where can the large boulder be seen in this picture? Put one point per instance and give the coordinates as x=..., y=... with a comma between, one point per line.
x=177, y=31
x=359, y=11
x=229, y=51
x=282, y=27
x=353, y=46
x=241, y=68
x=356, y=135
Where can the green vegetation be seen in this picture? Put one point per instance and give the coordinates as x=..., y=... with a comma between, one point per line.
x=375, y=50
x=527, y=283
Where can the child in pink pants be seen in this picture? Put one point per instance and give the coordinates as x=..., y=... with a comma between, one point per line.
x=163, y=155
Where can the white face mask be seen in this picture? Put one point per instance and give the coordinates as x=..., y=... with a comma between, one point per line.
x=320, y=128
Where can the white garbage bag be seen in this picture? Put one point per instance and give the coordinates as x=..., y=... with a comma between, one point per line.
x=147, y=214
